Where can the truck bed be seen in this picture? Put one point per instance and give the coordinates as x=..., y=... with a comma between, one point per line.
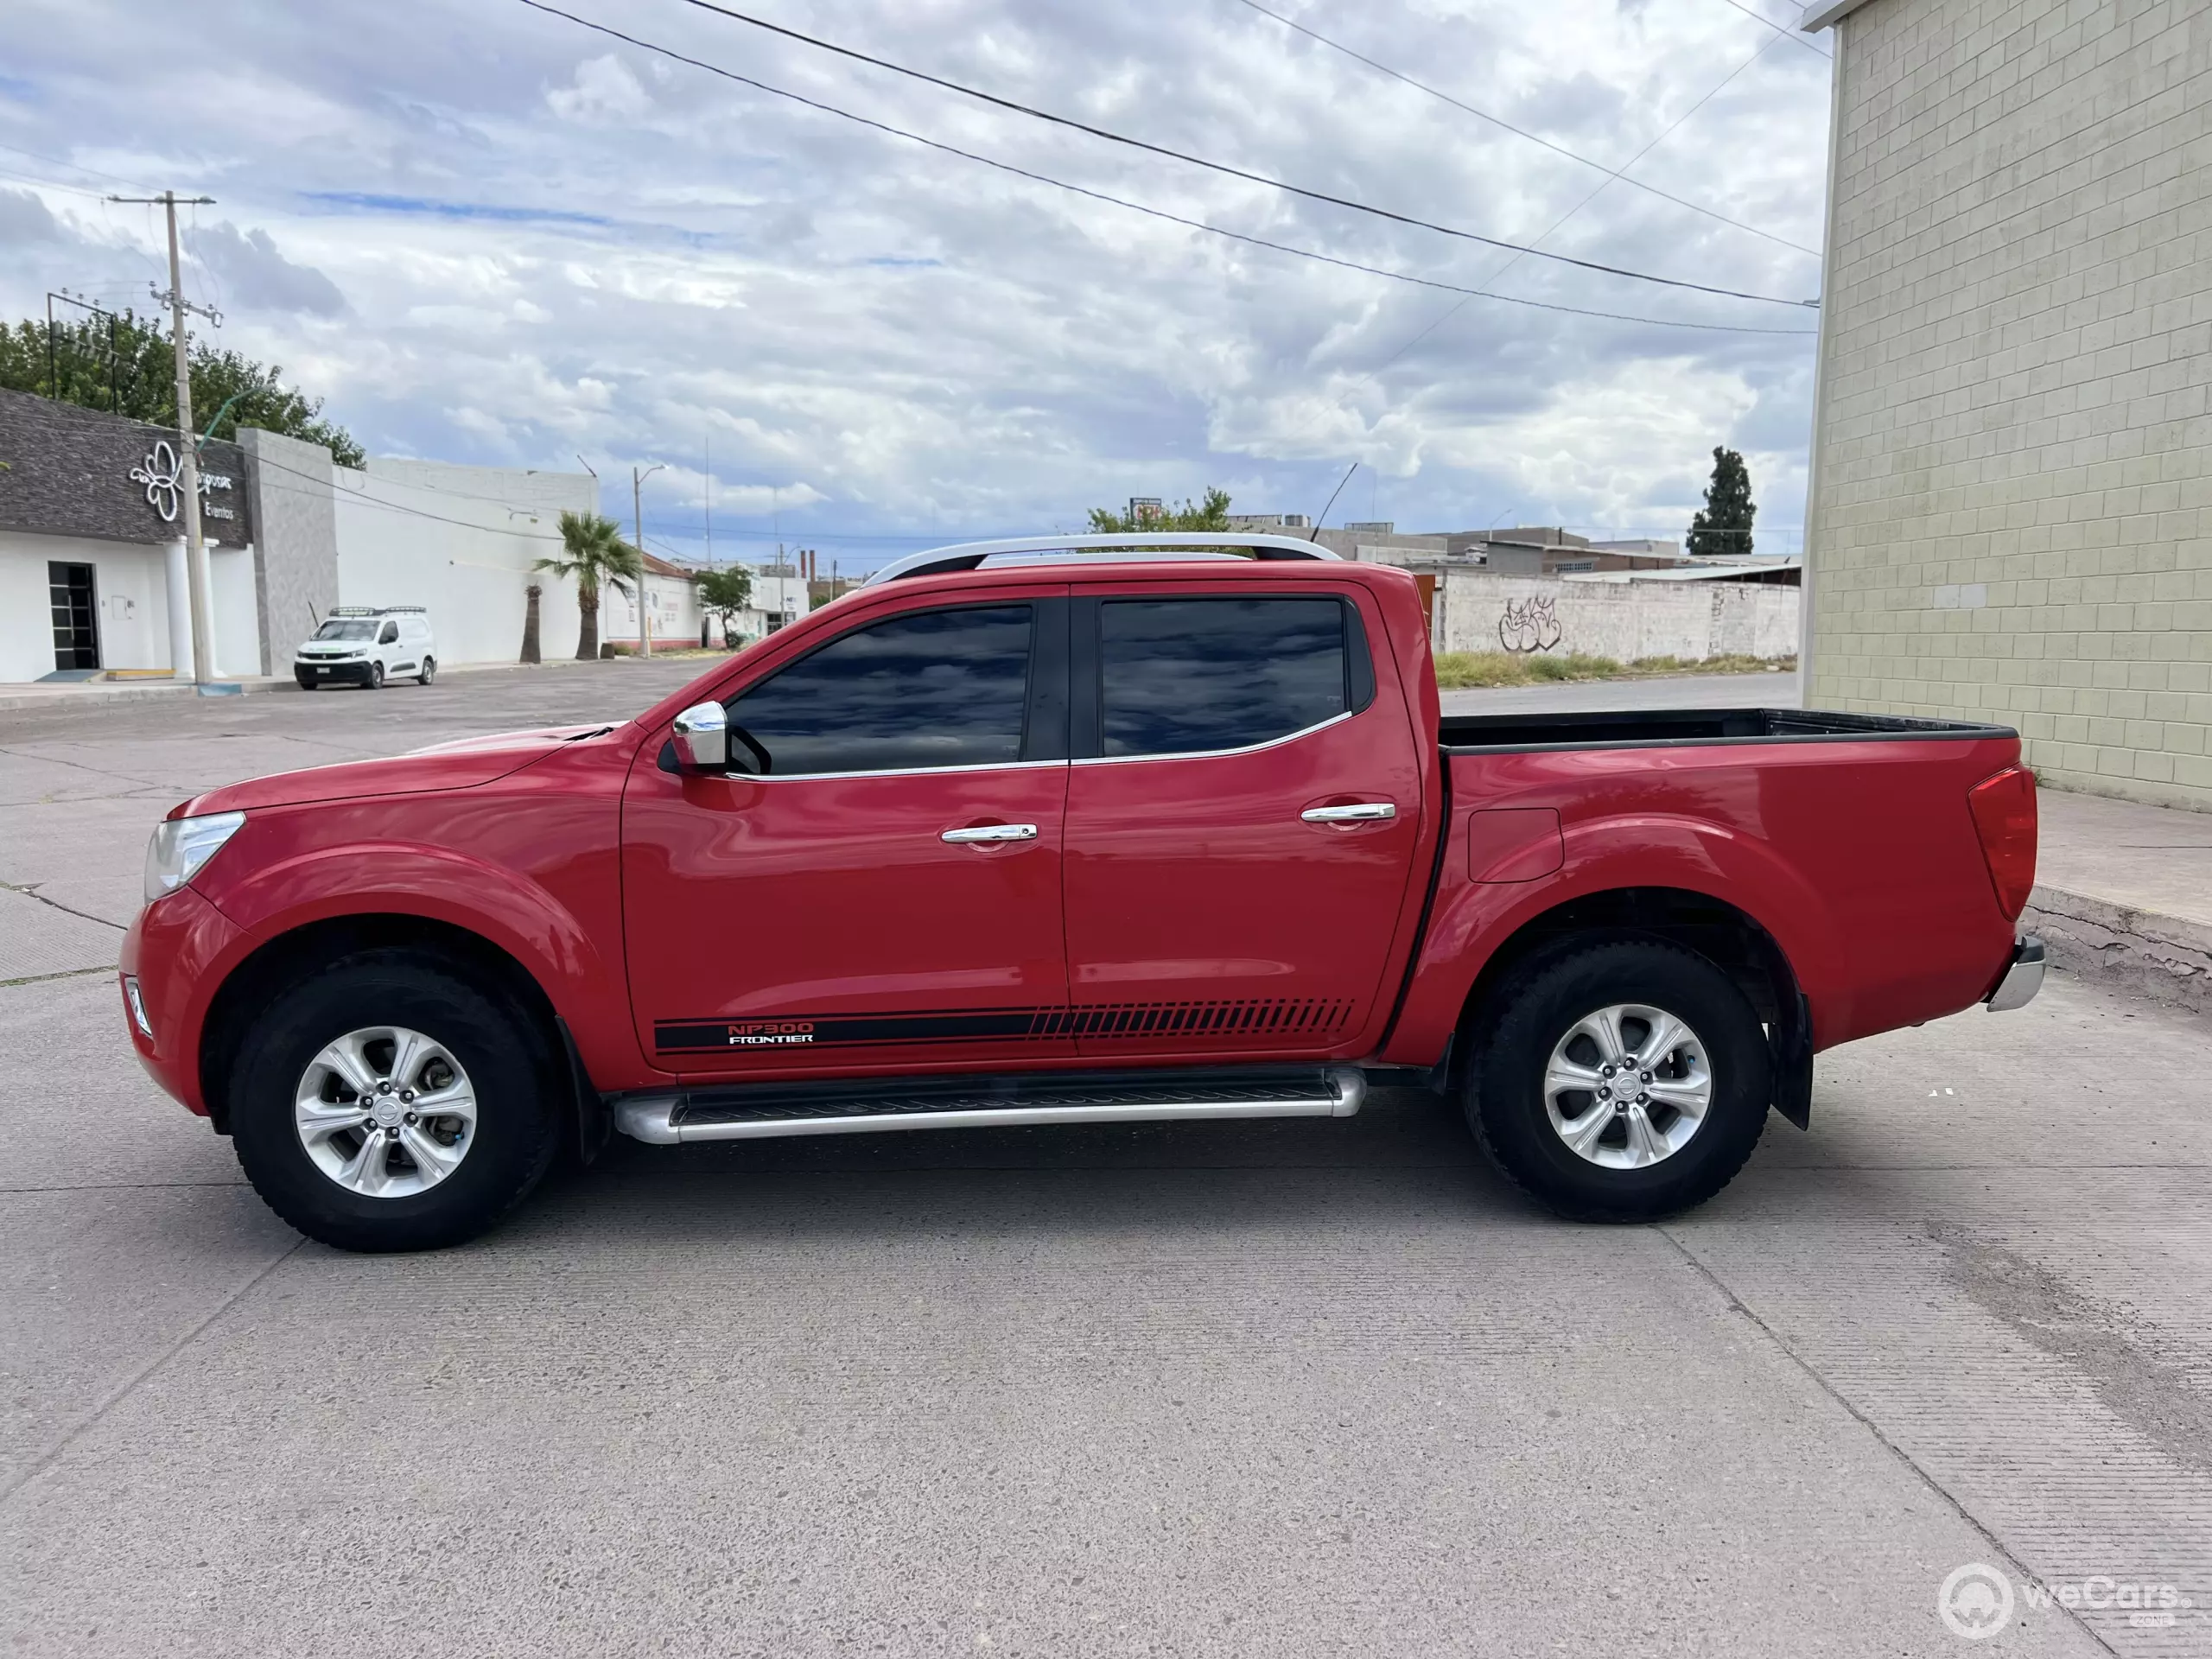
x=1679, y=727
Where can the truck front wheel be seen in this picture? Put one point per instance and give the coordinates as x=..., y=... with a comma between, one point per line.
x=1625, y=1081
x=389, y=1103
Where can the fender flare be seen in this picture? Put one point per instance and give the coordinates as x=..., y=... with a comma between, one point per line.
x=398, y=879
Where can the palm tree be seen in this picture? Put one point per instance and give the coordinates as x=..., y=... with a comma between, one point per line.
x=593, y=552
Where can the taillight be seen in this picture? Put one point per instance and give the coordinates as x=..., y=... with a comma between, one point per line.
x=2005, y=817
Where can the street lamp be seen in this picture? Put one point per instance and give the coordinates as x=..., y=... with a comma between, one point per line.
x=637, y=516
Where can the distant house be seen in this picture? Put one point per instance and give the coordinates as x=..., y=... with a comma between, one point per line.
x=672, y=600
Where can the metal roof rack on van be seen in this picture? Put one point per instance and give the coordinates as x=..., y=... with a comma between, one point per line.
x=377, y=610
x=1050, y=549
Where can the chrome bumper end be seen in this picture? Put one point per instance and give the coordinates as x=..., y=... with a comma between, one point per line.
x=2022, y=980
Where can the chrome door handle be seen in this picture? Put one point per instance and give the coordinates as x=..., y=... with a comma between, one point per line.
x=992, y=832
x=1359, y=812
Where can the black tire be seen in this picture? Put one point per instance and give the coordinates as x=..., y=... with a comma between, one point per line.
x=376, y=677
x=429, y=671
x=507, y=1063
x=1505, y=1093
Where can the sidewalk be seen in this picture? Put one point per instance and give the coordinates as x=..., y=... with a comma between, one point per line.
x=101, y=694
x=2123, y=895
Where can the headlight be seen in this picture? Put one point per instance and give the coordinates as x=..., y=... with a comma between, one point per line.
x=181, y=846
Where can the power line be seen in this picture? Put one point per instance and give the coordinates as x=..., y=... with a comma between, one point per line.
x=1522, y=132
x=1222, y=167
x=1137, y=206
x=1781, y=29
x=74, y=167
x=1453, y=311
x=50, y=184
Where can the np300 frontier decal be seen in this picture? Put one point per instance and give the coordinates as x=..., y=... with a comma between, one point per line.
x=1257, y=1017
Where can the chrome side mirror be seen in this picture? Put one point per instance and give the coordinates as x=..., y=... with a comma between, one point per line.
x=701, y=738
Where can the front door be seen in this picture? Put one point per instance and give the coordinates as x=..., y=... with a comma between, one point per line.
x=1242, y=818
x=76, y=621
x=876, y=881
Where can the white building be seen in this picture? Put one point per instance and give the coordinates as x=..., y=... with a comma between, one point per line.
x=93, y=566
x=460, y=542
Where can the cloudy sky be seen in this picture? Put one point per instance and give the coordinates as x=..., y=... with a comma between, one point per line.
x=487, y=233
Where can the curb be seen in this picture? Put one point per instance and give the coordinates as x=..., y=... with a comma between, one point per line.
x=2135, y=952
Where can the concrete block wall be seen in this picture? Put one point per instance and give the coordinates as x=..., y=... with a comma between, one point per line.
x=1623, y=620
x=295, y=551
x=2011, y=514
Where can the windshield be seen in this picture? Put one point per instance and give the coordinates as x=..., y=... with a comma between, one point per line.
x=346, y=630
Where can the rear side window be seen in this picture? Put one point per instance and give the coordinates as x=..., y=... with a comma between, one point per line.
x=933, y=689
x=1184, y=675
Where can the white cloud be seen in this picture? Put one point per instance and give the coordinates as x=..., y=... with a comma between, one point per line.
x=605, y=89
x=542, y=246
x=252, y=273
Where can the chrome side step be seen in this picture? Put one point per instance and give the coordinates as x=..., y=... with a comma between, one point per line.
x=766, y=1110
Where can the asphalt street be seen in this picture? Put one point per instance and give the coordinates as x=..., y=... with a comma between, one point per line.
x=1304, y=1387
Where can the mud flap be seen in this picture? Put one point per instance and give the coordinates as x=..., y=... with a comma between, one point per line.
x=1790, y=1041
x=595, y=1124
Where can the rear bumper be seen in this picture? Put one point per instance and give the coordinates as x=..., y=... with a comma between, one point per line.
x=2021, y=980
x=309, y=674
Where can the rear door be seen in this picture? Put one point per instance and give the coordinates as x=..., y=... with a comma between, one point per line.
x=876, y=881
x=1243, y=812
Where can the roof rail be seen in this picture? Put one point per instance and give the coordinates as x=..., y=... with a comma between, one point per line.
x=377, y=610
x=968, y=555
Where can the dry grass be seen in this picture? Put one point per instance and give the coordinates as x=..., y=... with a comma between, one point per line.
x=1458, y=670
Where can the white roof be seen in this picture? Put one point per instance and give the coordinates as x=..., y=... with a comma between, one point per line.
x=1824, y=13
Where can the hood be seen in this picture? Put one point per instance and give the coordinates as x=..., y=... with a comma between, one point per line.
x=536, y=738
x=463, y=764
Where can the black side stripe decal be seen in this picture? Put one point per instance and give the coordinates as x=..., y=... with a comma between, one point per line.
x=1248, y=1016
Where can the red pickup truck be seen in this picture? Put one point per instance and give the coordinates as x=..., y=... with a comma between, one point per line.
x=1077, y=830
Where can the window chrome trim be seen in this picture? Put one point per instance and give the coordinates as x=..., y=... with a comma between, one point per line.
x=1216, y=754
x=889, y=772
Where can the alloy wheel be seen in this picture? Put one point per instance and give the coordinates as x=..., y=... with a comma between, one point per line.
x=1628, y=1086
x=385, y=1112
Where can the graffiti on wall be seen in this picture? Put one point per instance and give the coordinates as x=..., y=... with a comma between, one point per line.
x=1531, y=625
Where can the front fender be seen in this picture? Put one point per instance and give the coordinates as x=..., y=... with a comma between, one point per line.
x=518, y=914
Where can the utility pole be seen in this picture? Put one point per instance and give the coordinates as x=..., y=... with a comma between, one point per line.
x=637, y=516
x=195, y=549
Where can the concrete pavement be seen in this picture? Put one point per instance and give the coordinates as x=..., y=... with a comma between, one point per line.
x=1296, y=1388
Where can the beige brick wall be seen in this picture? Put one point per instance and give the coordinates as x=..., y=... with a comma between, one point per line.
x=2011, y=513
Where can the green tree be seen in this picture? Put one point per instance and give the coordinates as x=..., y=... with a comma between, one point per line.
x=724, y=592
x=595, y=554
x=1725, y=526
x=1212, y=513
x=137, y=378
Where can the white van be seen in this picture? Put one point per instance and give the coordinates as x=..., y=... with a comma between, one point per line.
x=360, y=646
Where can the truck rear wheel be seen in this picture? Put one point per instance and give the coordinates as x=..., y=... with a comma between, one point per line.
x=389, y=1103
x=1625, y=1081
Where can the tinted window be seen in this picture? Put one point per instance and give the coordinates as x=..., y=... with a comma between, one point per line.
x=389, y=635
x=1181, y=674
x=937, y=689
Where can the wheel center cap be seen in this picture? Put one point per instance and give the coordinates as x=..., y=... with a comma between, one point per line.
x=386, y=1112
x=1627, y=1086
